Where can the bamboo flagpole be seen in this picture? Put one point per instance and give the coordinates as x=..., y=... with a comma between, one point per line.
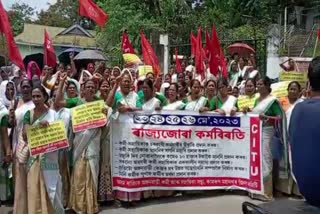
x=317, y=40
x=315, y=47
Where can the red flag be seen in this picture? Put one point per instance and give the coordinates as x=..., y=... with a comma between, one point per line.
x=126, y=46
x=215, y=52
x=178, y=64
x=149, y=56
x=5, y=28
x=193, y=41
x=49, y=55
x=208, y=45
x=89, y=9
x=199, y=55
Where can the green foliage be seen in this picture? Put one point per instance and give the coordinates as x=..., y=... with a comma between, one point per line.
x=61, y=14
x=245, y=19
x=64, y=13
x=18, y=15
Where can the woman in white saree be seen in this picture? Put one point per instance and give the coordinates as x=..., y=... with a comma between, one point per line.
x=124, y=101
x=234, y=75
x=225, y=104
x=196, y=102
x=85, y=158
x=174, y=102
x=289, y=186
x=270, y=111
x=64, y=154
x=5, y=155
x=43, y=179
x=150, y=103
x=7, y=92
x=19, y=146
x=105, y=193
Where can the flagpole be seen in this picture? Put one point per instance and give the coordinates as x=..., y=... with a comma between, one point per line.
x=315, y=47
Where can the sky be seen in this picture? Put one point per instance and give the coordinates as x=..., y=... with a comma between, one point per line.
x=36, y=4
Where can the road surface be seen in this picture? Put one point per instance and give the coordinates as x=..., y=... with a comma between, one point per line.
x=198, y=204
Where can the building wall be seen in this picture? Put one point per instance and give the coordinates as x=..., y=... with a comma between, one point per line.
x=26, y=50
x=312, y=17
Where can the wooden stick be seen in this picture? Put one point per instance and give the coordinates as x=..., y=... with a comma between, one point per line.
x=315, y=47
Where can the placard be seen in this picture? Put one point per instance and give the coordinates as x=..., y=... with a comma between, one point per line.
x=280, y=89
x=88, y=116
x=186, y=151
x=47, y=139
x=300, y=77
x=245, y=101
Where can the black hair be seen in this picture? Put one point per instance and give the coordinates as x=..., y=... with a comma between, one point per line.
x=10, y=82
x=214, y=82
x=150, y=73
x=267, y=83
x=235, y=54
x=28, y=81
x=252, y=80
x=175, y=85
x=193, y=82
x=43, y=91
x=149, y=83
x=181, y=73
x=102, y=81
x=89, y=80
x=314, y=74
x=177, y=88
x=71, y=83
x=294, y=82
x=223, y=81
x=184, y=85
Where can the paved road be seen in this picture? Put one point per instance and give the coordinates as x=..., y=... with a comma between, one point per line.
x=212, y=204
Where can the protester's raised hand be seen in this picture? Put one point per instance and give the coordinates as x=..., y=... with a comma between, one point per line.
x=71, y=55
x=118, y=79
x=63, y=77
x=8, y=158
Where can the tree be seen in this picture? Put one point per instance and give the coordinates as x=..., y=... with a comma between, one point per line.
x=19, y=14
x=64, y=13
x=234, y=19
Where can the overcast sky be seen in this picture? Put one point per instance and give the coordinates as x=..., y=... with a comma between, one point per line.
x=36, y=4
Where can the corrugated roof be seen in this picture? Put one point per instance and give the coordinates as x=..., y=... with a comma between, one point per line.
x=33, y=35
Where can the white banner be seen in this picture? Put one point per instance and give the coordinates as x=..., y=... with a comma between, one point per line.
x=183, y=150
